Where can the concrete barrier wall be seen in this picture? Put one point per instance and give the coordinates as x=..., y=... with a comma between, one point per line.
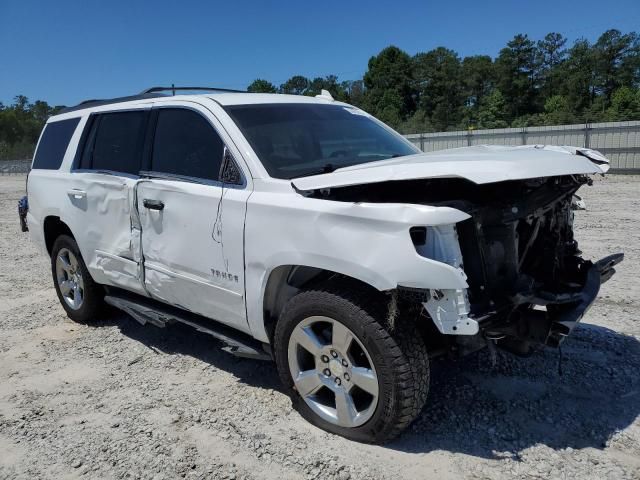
x=618, y=141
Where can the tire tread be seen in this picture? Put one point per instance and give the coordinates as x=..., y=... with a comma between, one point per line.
x=405, y=350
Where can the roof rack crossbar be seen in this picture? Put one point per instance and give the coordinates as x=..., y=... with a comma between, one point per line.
x=175, y=89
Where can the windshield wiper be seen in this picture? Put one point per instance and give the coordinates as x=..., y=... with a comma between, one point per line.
x=330, y=167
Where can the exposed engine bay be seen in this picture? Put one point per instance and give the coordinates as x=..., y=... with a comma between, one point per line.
x=528, y=284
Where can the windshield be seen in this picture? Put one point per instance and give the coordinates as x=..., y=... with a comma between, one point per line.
x=294, y=140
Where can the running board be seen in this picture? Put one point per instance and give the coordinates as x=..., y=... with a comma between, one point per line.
x=145, y=310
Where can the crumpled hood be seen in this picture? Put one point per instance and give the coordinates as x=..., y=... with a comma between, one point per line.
x=479, y=164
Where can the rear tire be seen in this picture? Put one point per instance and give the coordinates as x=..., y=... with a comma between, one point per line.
x=397, y=354
x=79, y=295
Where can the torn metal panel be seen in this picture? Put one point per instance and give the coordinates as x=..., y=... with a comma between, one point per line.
x=121, y=271
x=517, y=249
x=480, y=164
x=100, y=206
x=577, y=203
x=449, y=310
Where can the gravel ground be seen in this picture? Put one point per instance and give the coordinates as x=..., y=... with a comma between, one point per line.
x=118, y=400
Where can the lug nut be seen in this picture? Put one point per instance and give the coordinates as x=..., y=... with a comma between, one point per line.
x=347, y=377
x=344, y=363
x=325, y=359
x=334, y=354
x=327, y=372
x=338, y=381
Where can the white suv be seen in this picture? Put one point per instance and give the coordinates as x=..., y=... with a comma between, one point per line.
x=306, y=231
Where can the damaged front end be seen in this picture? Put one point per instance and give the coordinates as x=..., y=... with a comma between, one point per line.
x=542, y=317
x=528, y=284
x=527, y=279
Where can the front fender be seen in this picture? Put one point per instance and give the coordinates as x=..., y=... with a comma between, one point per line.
x=366, y=241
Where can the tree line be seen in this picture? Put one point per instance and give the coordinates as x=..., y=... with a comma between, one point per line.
x=20, y=126
x=543, y=82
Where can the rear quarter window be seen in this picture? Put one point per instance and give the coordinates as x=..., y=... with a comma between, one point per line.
x=53, y=144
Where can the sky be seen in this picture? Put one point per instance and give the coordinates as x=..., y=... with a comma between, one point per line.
x=64, y=51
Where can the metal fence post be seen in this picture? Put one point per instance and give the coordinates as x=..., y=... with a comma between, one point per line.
x=524, y=135
x=422, y=142
x=587, y=135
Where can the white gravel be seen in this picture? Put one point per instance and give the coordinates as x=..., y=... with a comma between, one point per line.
x=118, y=400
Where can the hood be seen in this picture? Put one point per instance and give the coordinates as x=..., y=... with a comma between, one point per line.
x=478, y=164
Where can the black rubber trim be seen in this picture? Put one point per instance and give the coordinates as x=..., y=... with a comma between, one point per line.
x=99, y=102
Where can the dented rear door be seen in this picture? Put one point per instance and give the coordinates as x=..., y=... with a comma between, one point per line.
x=100, y=196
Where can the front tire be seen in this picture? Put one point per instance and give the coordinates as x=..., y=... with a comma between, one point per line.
x=345, y=368
x=79, y=295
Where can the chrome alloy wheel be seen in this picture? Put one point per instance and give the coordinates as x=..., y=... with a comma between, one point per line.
x=69, y=278
x=333, y=372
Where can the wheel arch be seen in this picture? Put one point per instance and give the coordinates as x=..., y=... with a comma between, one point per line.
x=53, y=227
x=285, y=281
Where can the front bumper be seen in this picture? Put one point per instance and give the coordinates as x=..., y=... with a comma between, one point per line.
x=564, y=321
x=544, y=318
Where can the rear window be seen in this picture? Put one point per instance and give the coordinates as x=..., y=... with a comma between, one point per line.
x=54, y=143
x=114, y=142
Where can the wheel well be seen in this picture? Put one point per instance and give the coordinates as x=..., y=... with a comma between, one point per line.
x=53, y=228
x=287, y=280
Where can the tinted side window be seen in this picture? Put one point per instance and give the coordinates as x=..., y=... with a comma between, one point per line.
x=186, y=144
x=118, y=142
x=88, y=138
x=54, y=143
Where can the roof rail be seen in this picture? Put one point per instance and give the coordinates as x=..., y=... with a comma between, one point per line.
x=152, y=92
x=173, y=89
x=107, y=101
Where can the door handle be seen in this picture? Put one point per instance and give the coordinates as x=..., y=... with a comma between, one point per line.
x=153, y=204
x=77, y=194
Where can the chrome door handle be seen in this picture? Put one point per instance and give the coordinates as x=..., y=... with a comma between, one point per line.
x=78, y=194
